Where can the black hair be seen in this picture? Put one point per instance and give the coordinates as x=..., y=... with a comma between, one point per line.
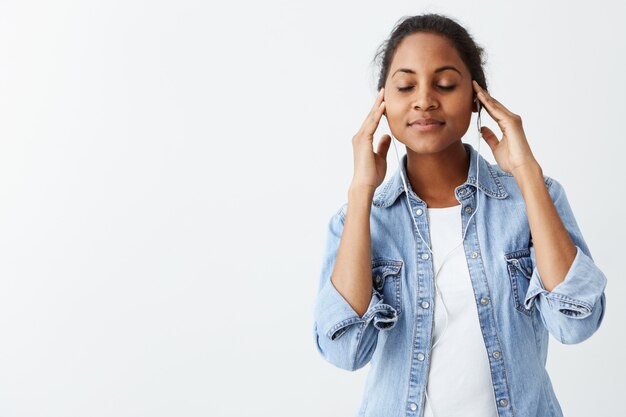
x=471, y=53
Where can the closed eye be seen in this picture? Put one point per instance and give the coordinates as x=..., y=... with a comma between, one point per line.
x=443, y=87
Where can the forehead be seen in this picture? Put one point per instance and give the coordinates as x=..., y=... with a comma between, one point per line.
x=424, y=52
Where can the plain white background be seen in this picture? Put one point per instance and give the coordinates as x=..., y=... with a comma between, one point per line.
x=168, y=169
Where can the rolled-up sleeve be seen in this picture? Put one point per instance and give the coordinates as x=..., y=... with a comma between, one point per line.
x=574, y=309
x=341, y=336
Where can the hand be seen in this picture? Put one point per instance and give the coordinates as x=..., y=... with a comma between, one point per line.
x=369, y=166
x=512, y=152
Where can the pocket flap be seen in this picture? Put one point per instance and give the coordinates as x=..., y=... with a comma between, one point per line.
x=520, y=259
x=382, y=268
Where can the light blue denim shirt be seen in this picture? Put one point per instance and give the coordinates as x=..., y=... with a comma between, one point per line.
x=515, y=311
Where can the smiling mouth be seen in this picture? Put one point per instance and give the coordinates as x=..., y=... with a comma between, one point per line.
x=426, y=127
x=429, y=122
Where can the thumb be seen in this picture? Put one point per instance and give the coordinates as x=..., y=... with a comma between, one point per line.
x=383, y=146
x=489, y=137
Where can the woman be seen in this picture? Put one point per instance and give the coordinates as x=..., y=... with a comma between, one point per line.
x=471, y=338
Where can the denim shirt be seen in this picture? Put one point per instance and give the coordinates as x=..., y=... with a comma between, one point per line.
x=515, y=311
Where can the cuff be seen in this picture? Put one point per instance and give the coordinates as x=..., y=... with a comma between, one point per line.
x=335, y=315
x=576, y=295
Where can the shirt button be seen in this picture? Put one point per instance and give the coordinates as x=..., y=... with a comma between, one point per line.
x=503, y=402
x=463, y=190
x=468, y=209
x=425, y=256
x=425, y=304
x=378, y=279
x=474, y=254
x=496, y=354
x=420, y=356
x=484, y=301
x=413, y=406
x=419, y=211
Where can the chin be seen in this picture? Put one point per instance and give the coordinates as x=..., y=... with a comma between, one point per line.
x=428, y=144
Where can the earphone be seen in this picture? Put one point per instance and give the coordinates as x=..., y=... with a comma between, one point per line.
x=479, y=108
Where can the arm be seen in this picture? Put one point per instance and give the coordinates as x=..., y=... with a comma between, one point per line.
x=554, y=249
x=570, y=292
x=352, y=273
x=348, y=312
x=566, y=285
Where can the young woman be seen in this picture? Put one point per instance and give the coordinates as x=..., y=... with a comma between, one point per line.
x=448, y=277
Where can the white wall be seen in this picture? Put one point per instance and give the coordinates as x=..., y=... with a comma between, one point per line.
x=168, y=168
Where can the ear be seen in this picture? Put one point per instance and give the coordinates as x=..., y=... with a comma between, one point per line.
x=475, y=104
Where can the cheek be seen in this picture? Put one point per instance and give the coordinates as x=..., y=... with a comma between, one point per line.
x=461, y=121
x=397, y=105
x=462, y=109
x=394, y=111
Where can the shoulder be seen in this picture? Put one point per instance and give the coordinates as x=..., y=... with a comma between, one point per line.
x=340, y=213
x=512, y=188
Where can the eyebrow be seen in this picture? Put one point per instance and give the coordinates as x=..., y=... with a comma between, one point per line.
x=445, y=67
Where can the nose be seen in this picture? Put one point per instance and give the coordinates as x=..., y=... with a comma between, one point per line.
x=424, y=100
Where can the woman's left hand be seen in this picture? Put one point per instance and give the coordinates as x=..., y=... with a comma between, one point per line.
x=512, y=152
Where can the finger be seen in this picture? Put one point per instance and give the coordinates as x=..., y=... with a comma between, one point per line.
x=495, y=109
x=490, y=137
x=379, y=99
x=370, y=124
x=378, y=107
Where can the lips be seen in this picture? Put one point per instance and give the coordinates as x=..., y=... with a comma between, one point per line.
x=426, y=125
x=426, y=122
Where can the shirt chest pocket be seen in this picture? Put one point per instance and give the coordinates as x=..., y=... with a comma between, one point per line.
x=520, y=270
x=387, y=282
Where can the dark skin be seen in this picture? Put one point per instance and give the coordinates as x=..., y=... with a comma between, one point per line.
x=436, y=161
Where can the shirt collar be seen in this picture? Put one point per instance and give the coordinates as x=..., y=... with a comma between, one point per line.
x=488, y=181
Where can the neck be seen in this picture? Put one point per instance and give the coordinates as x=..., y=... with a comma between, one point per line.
x=434, y=177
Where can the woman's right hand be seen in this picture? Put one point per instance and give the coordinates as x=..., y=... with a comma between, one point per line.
x=369, y=166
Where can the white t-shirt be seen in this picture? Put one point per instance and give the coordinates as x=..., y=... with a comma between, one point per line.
x=459, y=380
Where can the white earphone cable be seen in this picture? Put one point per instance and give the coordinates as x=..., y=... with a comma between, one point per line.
x=437, y=292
